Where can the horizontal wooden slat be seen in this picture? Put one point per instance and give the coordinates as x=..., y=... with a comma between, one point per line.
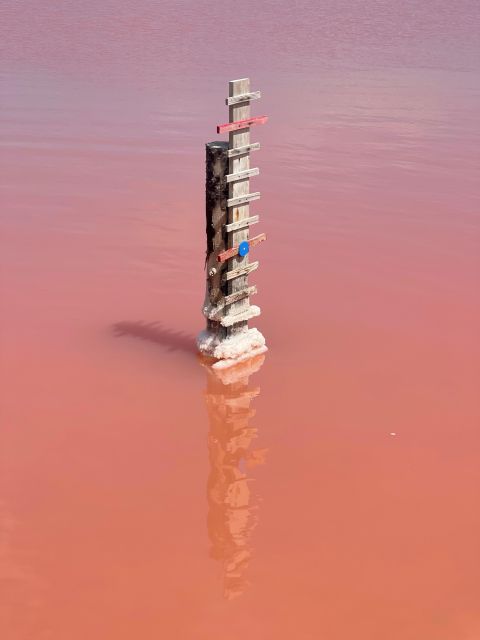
x=257, y=240
x=233, y=202
x=215, y=312
x=239, y=151
x=228, y=253
x=240, y=224
x=251, y=312
x=240, y=271
x=231, y=253
x=243, y=97
x=241, y=124
x=240, y=295
x=241, y=175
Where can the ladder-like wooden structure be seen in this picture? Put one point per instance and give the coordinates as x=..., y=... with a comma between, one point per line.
x=227, y=305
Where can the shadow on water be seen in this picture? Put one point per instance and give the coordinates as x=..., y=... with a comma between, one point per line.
x=157, y=333
x=232, y=509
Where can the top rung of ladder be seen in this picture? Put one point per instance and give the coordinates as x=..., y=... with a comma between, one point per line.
x=243, y=97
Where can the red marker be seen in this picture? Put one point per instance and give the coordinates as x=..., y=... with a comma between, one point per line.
x=241, y=124
x=235, y=251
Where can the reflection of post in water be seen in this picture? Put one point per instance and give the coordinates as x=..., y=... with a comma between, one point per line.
x=230, y=518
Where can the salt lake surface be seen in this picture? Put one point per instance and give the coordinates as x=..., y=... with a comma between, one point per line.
x=132, y=504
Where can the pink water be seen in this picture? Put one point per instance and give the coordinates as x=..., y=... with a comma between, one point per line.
x=350, y=508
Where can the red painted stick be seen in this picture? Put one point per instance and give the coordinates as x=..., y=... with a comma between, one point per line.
x=231, y=253
x=241, y=124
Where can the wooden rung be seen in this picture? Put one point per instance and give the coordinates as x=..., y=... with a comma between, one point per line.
x=233, y=153
x=243, y=97
x=240, y=295
x=231, y=253
x=241, y=124
x=234, y=202
x=251, y=312
x=241, y=175
x=241, y=224
x=213, y=313
x=241, y=271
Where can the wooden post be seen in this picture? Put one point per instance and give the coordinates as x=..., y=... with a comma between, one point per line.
x=239, y=138
x=228, y=197
x=216, y=194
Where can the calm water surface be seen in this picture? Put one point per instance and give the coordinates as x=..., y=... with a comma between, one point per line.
x=331, y=489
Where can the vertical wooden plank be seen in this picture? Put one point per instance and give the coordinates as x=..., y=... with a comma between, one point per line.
x=238, y=138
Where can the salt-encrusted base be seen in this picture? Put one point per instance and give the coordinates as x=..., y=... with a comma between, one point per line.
x=229, y=351
x=229, y=362
x=238, y=371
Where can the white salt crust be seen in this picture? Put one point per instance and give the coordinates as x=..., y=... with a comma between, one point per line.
x=229, y=363
x=251, y=312
x=217, y=313
x=213, y=312
x=235, y=348
x=239, y=370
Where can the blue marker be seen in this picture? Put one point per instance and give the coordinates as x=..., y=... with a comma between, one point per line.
x=243, y=248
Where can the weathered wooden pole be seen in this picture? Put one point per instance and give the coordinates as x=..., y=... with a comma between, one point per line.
x=227, y=307
x=216, y=195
